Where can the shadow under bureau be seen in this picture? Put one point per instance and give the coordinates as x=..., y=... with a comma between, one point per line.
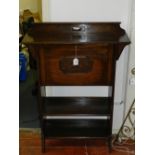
x=76, y=54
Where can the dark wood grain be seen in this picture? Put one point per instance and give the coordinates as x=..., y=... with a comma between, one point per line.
x=97, y=47
x=100, y=72
x=76, y=105
x=77, y=128
x=62, y=33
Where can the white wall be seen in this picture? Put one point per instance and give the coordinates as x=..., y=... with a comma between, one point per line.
x=130, y=93
x=96, y=10
x=87, y=10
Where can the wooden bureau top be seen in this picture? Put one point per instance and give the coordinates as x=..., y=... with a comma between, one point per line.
x=76, y=33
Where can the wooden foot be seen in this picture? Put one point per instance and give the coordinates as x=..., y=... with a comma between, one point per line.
x=43, y=144
x=110, y=144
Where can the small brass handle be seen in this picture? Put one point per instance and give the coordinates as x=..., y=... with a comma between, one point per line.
x=76, y=28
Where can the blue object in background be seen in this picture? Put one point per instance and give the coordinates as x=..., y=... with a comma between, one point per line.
x=22, y=67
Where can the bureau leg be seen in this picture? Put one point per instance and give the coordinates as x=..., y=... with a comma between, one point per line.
x=43, y=143
x=110, y=144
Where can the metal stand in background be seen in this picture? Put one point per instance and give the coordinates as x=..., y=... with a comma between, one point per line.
x=127, y=130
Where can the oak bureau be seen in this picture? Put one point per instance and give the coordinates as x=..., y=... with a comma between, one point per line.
x=76, y=54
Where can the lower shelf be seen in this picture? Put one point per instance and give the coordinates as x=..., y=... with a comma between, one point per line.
x=76, y=128
x=76, y=105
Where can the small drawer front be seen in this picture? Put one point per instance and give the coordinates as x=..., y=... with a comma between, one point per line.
x=76, y=65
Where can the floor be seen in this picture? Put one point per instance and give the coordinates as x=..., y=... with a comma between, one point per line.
x=30, y=144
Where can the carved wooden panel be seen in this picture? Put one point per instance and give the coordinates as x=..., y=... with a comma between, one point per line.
x=94, y=66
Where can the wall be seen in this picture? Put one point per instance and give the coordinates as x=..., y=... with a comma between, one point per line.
x=130, y=93
x=35, y=6
x=96, y=10
x=40, y=8
x=28, y=4
x=87, y=10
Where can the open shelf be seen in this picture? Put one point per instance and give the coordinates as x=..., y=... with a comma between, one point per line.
x=76, y=106
x=77, y=128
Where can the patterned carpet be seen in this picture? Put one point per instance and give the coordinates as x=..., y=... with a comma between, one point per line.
x=30, y=144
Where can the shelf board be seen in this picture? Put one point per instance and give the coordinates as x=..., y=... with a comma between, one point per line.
x=76, y=106
x=77, y=128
